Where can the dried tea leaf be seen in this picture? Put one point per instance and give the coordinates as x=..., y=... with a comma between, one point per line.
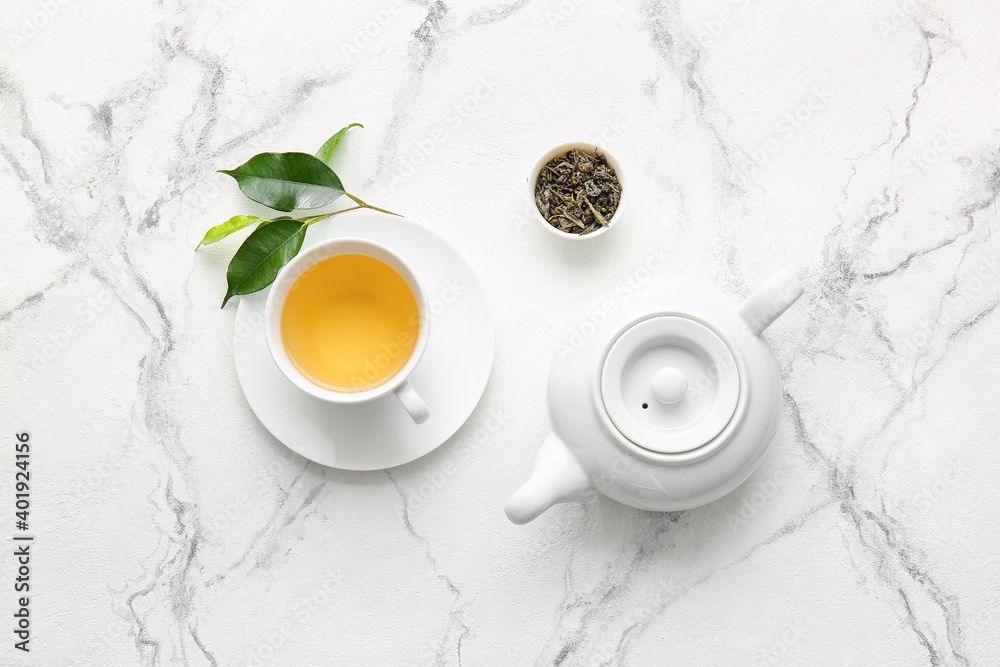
x=578, y=192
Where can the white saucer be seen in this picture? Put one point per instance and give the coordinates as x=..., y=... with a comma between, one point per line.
x=450, y=377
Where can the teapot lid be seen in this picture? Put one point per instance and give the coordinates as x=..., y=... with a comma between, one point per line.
x=670, y=384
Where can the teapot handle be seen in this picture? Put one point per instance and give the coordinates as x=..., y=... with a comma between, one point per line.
x=770, y=300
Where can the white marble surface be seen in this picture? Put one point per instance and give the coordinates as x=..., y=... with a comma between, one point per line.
x=855, y=143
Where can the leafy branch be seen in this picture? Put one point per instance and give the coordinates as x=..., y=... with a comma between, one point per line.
x=283, y=182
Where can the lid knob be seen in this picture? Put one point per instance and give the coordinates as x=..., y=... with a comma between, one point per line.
x=669, y=385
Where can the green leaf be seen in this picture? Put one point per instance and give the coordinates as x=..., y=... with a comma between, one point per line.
x=234, y=224
x=266, y=250
x=326, y=152
x=267, y=222
x=286, y=181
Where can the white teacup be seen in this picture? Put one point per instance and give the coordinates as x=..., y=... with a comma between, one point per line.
x=399, y=383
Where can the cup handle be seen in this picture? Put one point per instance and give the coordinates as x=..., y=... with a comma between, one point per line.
x=412, y=403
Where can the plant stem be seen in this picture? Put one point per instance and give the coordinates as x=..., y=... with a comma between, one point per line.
x=310, y=219
x=316, y=218
x=363, y=204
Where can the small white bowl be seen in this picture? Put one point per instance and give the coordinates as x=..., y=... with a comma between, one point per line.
x=562, y=149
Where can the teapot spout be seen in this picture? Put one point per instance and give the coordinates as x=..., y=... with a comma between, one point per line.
x=557, y=478
x=770, y=300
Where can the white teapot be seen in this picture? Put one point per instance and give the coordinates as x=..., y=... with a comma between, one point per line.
x=664, y=401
